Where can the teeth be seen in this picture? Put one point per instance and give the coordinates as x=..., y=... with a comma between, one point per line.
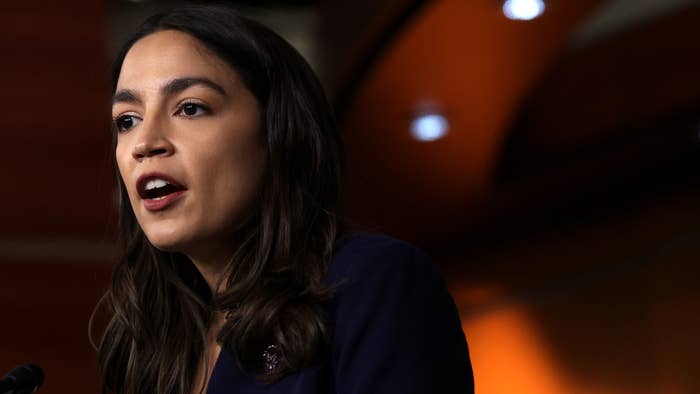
x=155, y=183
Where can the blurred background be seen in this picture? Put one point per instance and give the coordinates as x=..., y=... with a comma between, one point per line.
x=545, y=153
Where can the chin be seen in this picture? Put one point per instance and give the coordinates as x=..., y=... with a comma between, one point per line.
x=165, y=245
x=166, y=241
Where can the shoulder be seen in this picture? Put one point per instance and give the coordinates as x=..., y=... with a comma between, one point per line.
x=392, y=313
x=373, y=274
x=360, y=257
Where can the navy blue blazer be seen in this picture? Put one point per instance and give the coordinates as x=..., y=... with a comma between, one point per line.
x=395, y=330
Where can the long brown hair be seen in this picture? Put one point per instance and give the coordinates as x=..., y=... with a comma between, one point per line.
x=159, y=304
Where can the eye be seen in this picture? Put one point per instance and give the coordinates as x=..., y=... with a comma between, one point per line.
x=191, y=110
x=125, y=122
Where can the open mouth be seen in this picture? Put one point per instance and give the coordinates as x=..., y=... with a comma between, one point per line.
x=157, y=187
x=159, y=192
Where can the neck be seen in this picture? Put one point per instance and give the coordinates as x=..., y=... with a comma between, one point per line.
x=212, y=266
x=213, y=257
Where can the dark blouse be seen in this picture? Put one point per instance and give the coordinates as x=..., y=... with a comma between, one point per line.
x=395, y=330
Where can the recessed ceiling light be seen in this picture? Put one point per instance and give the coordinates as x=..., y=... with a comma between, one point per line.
x=429, y=127
x=523, y=10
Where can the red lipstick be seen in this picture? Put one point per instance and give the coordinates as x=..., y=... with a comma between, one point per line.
x=162, y=202
x=158, y=191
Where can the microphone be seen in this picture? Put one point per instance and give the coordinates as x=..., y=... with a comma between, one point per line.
x=24, y=379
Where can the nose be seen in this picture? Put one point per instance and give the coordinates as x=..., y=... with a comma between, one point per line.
x=146, y=149
x=151, y=143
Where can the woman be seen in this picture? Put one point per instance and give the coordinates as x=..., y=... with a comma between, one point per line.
x=235, y=277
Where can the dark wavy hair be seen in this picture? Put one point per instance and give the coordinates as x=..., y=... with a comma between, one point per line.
x=158, y=304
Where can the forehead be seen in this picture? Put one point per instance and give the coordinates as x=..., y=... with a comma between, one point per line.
x=168, y=54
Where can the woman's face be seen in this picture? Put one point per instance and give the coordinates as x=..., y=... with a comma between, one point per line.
x=189, y=146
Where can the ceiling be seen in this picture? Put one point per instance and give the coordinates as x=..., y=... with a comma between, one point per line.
x=576, y=77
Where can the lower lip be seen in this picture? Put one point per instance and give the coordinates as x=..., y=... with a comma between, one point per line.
x=163, y=203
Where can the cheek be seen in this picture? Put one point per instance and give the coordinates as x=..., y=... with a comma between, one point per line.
x=123, y=162
x=119, y=158
x=237, y=180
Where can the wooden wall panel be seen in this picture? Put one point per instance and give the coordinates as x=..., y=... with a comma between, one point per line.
x=55, y=123
x=46, y=306
x=55, y=194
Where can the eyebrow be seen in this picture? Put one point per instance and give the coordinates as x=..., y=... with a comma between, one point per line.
x=172, y=87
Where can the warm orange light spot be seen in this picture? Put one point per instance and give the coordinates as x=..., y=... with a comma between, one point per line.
x=508, y=357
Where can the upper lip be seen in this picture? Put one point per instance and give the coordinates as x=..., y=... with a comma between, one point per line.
x=143, y=180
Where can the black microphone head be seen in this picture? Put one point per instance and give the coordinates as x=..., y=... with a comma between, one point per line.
x=25, y=379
